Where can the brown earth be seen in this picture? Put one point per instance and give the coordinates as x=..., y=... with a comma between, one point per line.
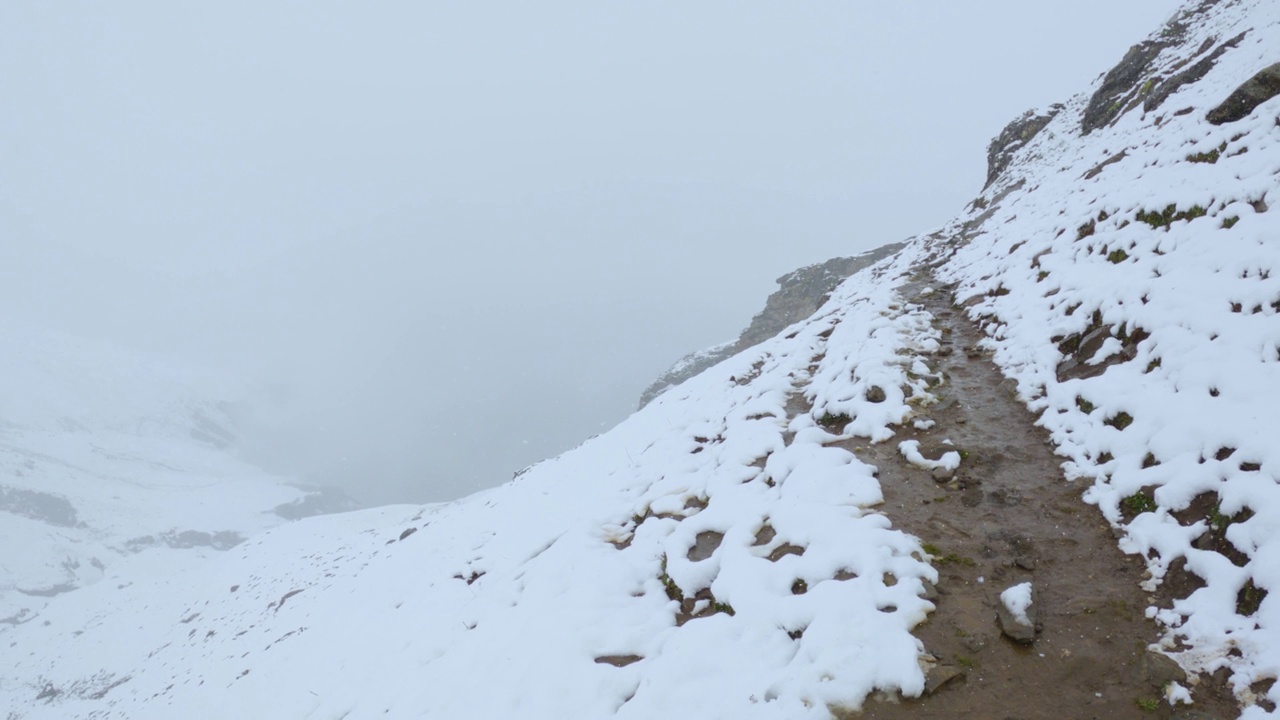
x=1009, y=516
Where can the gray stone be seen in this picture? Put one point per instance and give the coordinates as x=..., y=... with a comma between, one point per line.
x=940, y=676
x=930, y=592
x=973, y=643
x=1015, y=630
x=1158, y=670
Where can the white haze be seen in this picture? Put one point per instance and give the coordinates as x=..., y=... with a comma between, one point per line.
x=439, y=241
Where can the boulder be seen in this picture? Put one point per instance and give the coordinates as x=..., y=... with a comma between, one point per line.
x=1245, y=99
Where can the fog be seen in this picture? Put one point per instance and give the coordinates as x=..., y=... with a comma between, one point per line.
x=436, y=242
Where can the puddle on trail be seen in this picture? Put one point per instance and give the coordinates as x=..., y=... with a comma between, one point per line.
x=1007, y=517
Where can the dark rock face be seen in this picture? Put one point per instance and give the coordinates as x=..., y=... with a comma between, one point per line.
x=1136, y=80
x=1121, y=84
x=799, y=294
x=1245, y=99
x=1014, y=136
x=1162, y=91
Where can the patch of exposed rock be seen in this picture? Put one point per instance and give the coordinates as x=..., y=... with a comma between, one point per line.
x=1245, y=99
x=800, y=293
x=321, y=500
x=1164, y=88
x=186, y=539
x=1013, y=138
x=1142, y=78
x=39, y=506
x=685, y=368
x=1122, y=84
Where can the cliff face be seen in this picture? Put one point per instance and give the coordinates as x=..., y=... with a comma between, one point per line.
x=800, y=293
x=1049, y=424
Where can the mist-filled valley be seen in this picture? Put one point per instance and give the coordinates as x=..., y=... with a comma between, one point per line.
x=620, y=362
x=426, y=246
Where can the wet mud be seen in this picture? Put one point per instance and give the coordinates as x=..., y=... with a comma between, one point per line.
x=1008, y=516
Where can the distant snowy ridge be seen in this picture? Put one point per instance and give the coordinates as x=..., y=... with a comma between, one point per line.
x=716, y=555
x=105, y=454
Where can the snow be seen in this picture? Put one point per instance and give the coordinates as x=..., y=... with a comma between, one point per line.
x=910, y=450
x=100, y=461
x=715, y=555
x=506, y=599
x=1017, y=600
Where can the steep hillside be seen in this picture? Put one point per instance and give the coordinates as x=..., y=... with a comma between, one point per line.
x=861, y=515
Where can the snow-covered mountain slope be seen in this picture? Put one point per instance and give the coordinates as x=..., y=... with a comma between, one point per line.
x=721, y=553
x=1130, y=281
x=527, y=597
x=108, y=457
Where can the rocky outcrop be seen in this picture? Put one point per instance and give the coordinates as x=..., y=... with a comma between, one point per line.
x=1163, y=89
x=186, y=539
x=800, y=292
x=1014, y=136
x=1147, y=76
x=1122, y=85
x=1245, y=99
x=40, y=506
x=685, y=368
x=319, y=500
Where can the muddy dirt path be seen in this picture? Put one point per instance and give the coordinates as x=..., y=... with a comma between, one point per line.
x=1007, y=517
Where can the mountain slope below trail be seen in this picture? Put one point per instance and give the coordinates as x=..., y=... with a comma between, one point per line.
x=742, y=547
x=112, y=459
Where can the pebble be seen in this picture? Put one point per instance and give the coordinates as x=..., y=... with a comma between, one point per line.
x=939, y=676
x=1158, y=670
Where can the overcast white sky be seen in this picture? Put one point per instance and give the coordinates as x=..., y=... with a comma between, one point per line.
x=446, y=239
